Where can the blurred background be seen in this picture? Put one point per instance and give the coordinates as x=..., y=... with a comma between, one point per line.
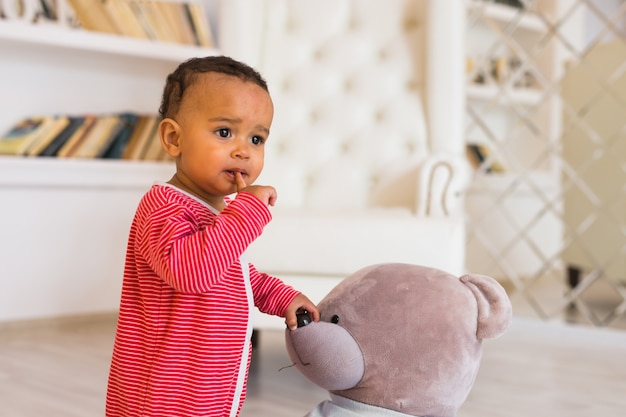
x=543, y=129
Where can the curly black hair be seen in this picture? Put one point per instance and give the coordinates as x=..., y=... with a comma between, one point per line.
x=186, y=74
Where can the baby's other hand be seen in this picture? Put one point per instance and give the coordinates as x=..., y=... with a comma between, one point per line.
x=265, y=193
x=301, y=302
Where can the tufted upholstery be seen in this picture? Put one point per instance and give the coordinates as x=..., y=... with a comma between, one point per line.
x=348, y=152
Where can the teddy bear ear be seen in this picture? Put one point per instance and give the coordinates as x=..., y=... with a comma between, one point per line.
x=494, y=307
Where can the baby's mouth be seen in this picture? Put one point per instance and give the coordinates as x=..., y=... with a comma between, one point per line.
x=233, y=172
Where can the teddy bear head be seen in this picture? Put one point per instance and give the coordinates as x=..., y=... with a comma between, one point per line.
x=402, y=337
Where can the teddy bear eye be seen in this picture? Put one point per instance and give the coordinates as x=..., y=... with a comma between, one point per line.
x=334, y=319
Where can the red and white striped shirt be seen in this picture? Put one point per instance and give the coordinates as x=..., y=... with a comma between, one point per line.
x=184, y=313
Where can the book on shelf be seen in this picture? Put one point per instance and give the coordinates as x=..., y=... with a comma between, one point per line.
x=125, y=135
x=157, y=24
x=26, y=133
x=200, y=24
x=73, y=140
x=141, y=139
x=55, y=128
x=53, y=147
x=162, y=20
x=137, y=132
x=118, y=142
x=97, y=138
x=179, y=24
x=480, y=157
x=125, y=19
x=94, y=16
x=136, y=8
x=152, y=149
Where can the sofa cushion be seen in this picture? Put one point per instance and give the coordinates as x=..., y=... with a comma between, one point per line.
x=338, y=242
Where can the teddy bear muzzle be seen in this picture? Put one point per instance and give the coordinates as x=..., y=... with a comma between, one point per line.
x=326, y=354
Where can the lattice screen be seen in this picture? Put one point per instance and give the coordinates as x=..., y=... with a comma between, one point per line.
x=546, y=131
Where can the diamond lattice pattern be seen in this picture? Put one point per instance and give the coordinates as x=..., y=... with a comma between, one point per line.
x=546, y=133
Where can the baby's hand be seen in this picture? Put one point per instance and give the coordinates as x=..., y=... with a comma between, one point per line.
x=265, y=193
x=301, y=302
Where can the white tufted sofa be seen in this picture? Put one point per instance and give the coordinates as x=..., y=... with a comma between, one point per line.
x=359, y=179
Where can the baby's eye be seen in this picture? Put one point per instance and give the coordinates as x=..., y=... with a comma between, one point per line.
x=257, y=140
x=223, y=132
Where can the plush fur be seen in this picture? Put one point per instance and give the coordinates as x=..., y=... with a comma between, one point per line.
x=400, y=337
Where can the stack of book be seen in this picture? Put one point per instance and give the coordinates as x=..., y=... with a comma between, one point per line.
x=119, y=136
x=165, y=21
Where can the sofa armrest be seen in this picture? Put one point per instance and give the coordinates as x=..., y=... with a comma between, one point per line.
x=442, y=180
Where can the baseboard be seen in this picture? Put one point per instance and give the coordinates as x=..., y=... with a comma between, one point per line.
x=59, y=321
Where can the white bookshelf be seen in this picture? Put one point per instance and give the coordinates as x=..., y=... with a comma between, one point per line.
x=65, y=222
x=499, y=31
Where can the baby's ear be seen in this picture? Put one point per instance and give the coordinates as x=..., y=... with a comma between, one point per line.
x=169, y=133
x=494, y=307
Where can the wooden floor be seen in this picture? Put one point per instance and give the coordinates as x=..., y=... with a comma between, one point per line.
x=536, y=369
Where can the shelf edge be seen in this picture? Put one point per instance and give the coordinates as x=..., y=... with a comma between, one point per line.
x=506, y=14
x=526, y=96
x=69, y=38
x=40, y=172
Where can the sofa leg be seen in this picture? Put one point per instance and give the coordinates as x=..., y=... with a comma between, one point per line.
x=255, y=339
x=254, y=360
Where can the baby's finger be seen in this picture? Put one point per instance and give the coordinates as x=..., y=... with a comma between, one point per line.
x=241, y=184
x=272, y=199
x=291, y=321
x=315, y=313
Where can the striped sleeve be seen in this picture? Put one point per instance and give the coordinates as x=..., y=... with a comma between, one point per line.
x=194, y=259
x=271, y=295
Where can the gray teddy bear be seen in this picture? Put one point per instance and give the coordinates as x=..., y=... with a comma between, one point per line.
x=399, y=340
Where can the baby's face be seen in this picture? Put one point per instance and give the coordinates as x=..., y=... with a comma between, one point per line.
x=224, y=125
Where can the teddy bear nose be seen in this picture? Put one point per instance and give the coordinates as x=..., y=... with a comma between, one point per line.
x=334, y=319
